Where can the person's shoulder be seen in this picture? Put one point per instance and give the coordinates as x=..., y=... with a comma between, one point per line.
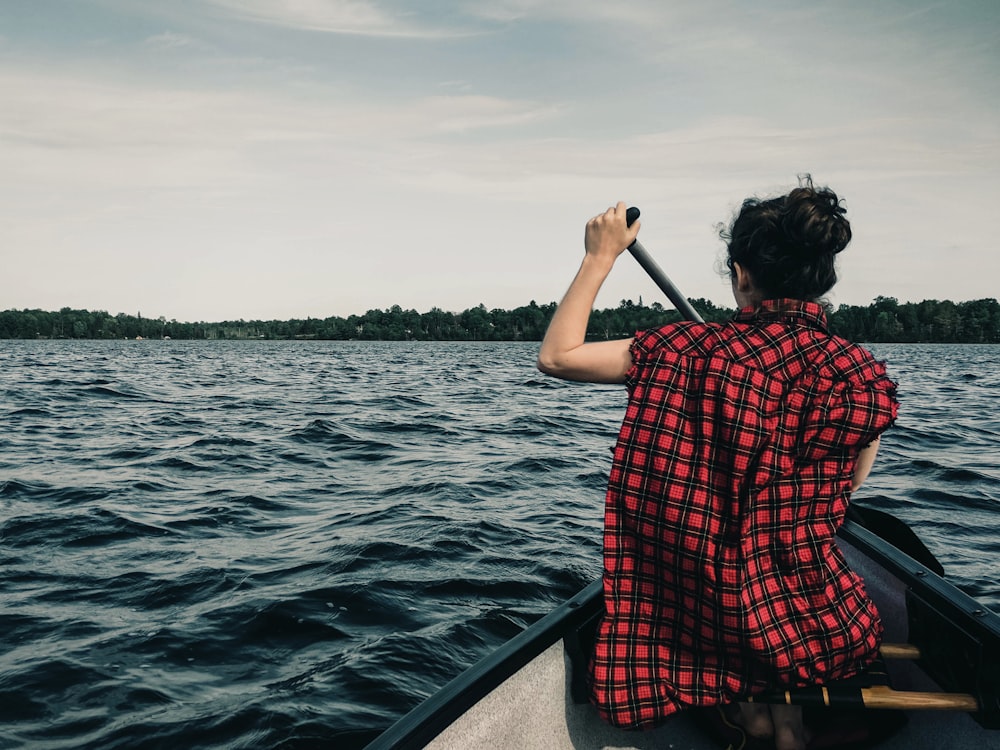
x=683, y=336
x=853, y=362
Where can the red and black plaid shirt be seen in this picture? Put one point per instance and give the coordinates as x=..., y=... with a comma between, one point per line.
x=731, y=476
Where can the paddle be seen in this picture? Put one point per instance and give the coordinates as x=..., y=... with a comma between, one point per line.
x=656, y=274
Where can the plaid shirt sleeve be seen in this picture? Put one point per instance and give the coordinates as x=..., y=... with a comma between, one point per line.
x=849, y=412
x=730, y=478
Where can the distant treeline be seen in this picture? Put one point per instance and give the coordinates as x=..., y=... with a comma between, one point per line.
x=884, y=320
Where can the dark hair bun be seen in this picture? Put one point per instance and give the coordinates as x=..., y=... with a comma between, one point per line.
x=814, y=223
x=788, y=244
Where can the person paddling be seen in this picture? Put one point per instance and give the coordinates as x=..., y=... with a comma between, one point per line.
x=741, y=445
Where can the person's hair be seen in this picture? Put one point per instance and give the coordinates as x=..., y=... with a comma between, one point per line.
x=788, y=244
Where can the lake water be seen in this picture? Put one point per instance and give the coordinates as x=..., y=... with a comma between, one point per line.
x=289, y=544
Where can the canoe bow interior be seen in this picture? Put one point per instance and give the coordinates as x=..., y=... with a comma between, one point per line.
x=522, y=696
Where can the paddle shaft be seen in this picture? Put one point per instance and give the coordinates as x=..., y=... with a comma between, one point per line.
x=659, y=277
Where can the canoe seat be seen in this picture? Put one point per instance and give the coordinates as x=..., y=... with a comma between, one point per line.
x=871, y=689
x=837, y=714
x=846, y=692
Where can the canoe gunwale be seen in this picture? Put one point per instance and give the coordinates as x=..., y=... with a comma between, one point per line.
x=958, y=637
x=423, y=723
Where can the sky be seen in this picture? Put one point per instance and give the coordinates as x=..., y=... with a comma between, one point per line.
x=208, y=160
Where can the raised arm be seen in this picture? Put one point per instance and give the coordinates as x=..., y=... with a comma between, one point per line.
x=564, y=352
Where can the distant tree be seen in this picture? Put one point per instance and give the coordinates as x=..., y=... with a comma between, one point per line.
x=885, y=320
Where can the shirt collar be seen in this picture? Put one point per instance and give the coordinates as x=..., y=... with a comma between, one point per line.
x=792, y=311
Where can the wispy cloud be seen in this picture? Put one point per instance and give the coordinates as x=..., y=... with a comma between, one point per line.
x=574, y=11
x=461, y=114
x=355, y=17
x=94, y=131
x=170, y=40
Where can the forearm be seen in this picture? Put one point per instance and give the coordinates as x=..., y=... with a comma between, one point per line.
x=866, y=460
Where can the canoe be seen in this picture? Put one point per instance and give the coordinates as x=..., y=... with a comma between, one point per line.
x=530, y=693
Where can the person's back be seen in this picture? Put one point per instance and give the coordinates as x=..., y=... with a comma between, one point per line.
x=731, y=476
x=734, y=466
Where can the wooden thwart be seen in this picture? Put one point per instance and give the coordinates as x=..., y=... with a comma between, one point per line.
x=900, y=651
x=873, y=696
x=879, y=696
x=885, y=697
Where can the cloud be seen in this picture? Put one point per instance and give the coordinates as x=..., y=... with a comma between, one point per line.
x=85, y=132
x=571, y=11
x=92, y=111
x=355, y=17
x=210, y=155
x=170, y=40
x=460, y=114
x=84, y=146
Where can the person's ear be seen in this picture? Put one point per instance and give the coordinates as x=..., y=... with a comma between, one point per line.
x=741, y=282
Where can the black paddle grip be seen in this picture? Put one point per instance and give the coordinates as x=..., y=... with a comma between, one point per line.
x=630, y=216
